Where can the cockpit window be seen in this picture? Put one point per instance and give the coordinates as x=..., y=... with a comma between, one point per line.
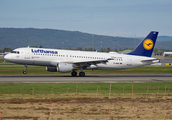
x=16, y=52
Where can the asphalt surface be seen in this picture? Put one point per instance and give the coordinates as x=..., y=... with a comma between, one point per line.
x=165, y=60
x=86, y=79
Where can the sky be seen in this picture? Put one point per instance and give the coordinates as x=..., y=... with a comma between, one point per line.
x=125, y=18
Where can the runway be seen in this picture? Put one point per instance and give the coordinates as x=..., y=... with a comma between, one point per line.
x=86, y=79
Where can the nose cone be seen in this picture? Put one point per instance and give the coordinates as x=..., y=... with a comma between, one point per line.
x=7, y=57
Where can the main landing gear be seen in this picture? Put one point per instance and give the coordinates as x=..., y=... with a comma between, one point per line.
x=74, y=74
x=82, y=74
x=24, y=72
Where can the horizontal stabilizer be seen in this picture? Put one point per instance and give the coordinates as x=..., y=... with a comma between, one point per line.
x=151, y=61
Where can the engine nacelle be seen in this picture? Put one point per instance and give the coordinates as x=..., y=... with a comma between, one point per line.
x=51, y=69
x=61, y=67
x=64, y=67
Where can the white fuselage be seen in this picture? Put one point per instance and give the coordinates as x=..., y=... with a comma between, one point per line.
x=47, y=57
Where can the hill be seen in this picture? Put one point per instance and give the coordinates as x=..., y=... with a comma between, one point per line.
x=50, y=38
x=164, y=38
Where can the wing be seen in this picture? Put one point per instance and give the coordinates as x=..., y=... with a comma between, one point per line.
x=87, y=63
x=82, y=64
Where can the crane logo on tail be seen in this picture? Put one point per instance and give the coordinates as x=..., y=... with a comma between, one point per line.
x=148, y=44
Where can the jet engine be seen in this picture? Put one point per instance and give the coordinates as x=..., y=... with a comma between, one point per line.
x=64, y=67
x=61, y=67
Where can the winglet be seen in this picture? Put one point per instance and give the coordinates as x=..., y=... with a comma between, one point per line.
x=145, y=48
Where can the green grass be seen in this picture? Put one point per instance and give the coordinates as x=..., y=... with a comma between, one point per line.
x=34, y=70
x=2, y=61
x=61, y=88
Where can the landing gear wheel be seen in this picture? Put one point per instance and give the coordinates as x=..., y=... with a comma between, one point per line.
x=24, y=72
x=74, y=74
x=82, y=74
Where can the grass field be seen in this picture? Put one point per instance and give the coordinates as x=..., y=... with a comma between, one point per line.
x=62, y=88
x=2, y=61
x=34, y=70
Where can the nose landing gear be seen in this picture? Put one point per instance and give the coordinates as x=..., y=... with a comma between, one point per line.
x=25, y=72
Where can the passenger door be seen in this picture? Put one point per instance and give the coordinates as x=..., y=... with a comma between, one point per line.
x=129, y=61
x=27, y=53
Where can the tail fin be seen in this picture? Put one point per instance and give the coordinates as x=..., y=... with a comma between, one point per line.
x=146, y=47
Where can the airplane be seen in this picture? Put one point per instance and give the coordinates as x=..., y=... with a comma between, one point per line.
x=57, y=60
